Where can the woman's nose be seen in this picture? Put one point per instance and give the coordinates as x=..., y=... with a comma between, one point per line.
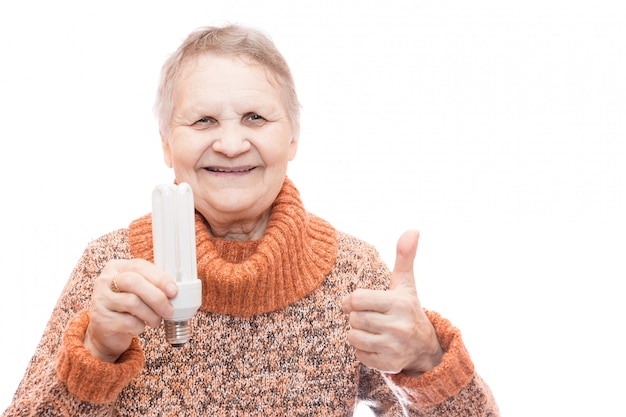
x=231, y=141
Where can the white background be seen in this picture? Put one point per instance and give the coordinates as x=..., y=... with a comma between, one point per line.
x=496, y=128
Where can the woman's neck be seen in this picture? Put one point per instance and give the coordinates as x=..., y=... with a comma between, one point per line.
x=239, y=230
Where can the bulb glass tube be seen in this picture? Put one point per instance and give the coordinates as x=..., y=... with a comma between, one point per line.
x=174, y=243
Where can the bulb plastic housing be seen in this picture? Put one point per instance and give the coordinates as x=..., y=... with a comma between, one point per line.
x=174, y=243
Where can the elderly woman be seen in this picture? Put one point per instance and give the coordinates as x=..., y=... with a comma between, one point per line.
x=297, y=318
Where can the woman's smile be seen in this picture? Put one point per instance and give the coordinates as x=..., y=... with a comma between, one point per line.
x=231, y=171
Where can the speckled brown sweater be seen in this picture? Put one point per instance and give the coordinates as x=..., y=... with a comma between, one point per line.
x=269, y=339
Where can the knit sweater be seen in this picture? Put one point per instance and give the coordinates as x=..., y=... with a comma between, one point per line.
x=268, y=340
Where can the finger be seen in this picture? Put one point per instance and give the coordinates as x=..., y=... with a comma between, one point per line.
x=403, y=276
x=376, y=361
x=362, y=340
x=148, y=271
x=138, y=295
x=370, y=321
x=111, y=323
x=373, y=351
x=140, y=277
x=363, y=299
x=131, y=304
x=107, y=305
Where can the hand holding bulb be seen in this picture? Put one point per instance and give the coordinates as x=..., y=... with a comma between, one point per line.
x=140, y=298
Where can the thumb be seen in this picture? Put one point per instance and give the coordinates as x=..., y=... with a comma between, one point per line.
x=402, y=275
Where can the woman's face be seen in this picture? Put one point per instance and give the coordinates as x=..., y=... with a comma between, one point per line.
x=230, y=139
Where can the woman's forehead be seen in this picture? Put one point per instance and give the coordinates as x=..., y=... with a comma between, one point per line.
x=212, y=83
x=226, y=76
x=208, y=61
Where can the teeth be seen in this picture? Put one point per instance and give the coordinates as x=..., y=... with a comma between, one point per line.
x=228, y=170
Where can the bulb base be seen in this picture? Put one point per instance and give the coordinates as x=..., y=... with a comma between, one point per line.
x=177, y=332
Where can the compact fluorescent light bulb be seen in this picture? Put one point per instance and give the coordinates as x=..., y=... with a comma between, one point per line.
x=174, y=242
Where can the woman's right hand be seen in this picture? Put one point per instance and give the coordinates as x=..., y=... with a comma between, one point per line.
x=128, y=295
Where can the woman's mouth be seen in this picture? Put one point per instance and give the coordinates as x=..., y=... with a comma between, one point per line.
x=230, y=170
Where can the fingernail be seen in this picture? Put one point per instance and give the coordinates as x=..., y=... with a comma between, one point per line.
x=171, y=289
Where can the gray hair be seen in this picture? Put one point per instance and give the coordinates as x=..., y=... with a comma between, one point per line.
x=230, y=40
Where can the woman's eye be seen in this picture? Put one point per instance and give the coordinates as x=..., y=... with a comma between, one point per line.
x=254, y=118
x=203, y=122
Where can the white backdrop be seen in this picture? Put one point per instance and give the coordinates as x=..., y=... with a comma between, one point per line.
x=496, y=128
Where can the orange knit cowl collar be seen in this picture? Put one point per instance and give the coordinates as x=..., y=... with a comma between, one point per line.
x=251, y=277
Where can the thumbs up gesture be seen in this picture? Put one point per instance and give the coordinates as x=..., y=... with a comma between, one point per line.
x=389, y=329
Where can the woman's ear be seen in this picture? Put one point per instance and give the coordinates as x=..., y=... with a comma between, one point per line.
x=167, y=150
x=293, y=147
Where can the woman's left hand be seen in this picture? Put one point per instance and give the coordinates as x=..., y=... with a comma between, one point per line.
x=389, y=329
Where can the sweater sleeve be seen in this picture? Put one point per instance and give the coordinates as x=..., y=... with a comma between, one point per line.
x=452, y=386
x=450, y=389
x=53, y=382
x=88, y=378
